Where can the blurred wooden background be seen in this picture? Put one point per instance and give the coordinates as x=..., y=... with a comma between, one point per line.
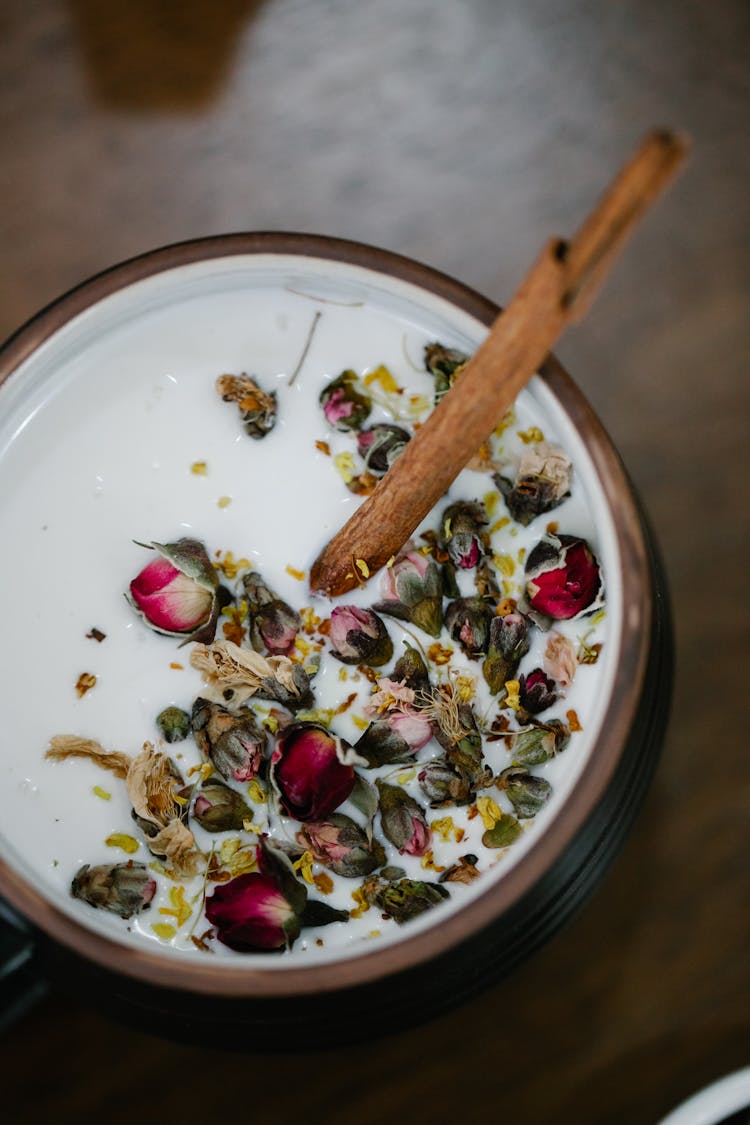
x=463, y=133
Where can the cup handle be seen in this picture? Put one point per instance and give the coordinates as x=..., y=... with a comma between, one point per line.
x=21, y=984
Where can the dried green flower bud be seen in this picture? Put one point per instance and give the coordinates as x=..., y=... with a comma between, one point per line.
x=508, y=643
x=358, y=636
x=411, y=670
x=341, y=845
x=461, y=533
x=505, y=832
x=412, y=591
x=273, y=623
x=299, y=700
x=468, y=621
x=444, y=364
x=540, y=742
x=541, y=483
x=257, y=407
x=344, y=406
x=458, y=734
x=233, y=743
x=174, y=724
x=121, y=888
x=218, y=808
x=442, y=785
x=403, y=820
x=404, y=899
x=381, y=745
x=528, y=794
x=381, y=445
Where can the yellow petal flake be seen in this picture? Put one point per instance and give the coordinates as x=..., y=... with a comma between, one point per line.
x=121, y=840
x=179, y=908
x=533, y=434
x=362, y=567
x=438, y=654
x=223, y=501
x=405, y=776
x=383, y=376
x=164, y=931
x=489, y=811
x=491, y=500
x=444, y=827
x=323, y=882
x=298, y=574
x=512, y=698
x=199, y=468
x=499, y=524
x=101, y=793
x=362, y=904
x=505, y=564
x=344, y=465
x=256, y=792
x=304, y=866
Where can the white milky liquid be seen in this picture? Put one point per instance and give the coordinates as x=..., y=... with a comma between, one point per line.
x=98, y=433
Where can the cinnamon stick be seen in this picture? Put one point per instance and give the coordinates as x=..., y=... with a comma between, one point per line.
x=558, y=288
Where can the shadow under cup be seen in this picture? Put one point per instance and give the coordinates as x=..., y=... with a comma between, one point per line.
x=436, y=961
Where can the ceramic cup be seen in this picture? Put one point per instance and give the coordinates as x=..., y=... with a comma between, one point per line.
x=73, y=371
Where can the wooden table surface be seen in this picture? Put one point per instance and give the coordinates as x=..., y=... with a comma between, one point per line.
x=463, y=133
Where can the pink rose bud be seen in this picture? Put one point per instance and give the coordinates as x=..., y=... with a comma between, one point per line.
x=177, y=593
x=121, y=888
x=341, y=845
x=251, y=913
x=344, y=406
x=563, y=577
x=358, y=636
x=413, y=591
x=461, y=533
x=403, y=820
x=309, y=771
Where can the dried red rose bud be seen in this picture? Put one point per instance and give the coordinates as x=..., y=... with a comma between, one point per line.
x=121, y=888
x=173, y=724
x=344, y=406
x=310, y=771
x=468, y=621
x=177, y=593
x=341, y=845
x=536, y=691
x=508, y=643
x=444, y=364
x=405, y=898
x=563, y=579
x=540, y=742
x=251, y=913
x=461, y=533
x=358, y=636
x=403, y=820
x=232, y=742
x=528, y=794
x=266, y=910
x=413, y=591
x=381, y=445
x=218, y=808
